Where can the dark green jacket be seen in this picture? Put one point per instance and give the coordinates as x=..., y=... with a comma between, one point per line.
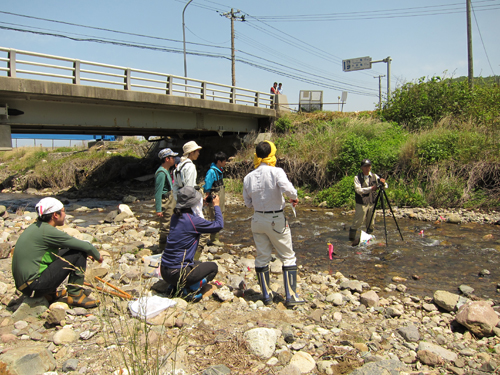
x=38, y=246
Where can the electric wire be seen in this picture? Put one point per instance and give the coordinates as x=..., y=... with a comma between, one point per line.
x=379, y=14
x=191, y=52
x=481, y=37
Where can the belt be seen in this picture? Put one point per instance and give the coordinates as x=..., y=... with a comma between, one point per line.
x=269, y=212
x=25, y=285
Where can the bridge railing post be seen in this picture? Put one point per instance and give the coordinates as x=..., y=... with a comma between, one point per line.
x=128, y=75
x=76, y=72
x=169, y=85
x=233, y=95
x=203, y=90
x=12, y=64
x=257, y=97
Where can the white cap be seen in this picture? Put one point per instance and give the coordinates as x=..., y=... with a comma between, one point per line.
x=48, y=206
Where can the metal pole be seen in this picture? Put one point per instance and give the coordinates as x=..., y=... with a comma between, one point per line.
x=184, y=37
x=338, y=105
x=469, y=45
x=379, y=90
x=388, y=77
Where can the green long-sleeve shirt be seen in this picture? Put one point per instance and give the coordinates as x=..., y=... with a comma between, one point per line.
x=38, y=246
x=161, y=187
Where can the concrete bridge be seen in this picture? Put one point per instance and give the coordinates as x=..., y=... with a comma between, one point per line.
x=46, y=94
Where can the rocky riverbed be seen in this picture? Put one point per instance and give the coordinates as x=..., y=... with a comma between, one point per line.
x=346, y=326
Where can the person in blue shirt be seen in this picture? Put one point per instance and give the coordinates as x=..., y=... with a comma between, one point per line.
x=214, y=185
x=178, y=267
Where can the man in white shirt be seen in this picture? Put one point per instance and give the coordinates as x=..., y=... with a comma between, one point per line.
x=185, y=174
x=263, y=191
x=365, y=187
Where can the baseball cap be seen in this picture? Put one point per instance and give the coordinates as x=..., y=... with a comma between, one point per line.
x=166, y=152
x=366, y=162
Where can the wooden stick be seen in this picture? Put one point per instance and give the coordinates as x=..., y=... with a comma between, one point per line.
x=108, y=291
x=112, y=286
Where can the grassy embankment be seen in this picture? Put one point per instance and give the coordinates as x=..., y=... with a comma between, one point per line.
x=435, y=141
x=63, y=167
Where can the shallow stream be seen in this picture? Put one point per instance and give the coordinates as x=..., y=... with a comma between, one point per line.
x=440, y=256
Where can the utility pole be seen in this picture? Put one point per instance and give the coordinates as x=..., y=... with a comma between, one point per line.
x=379, y=90
x=232, y=15
x=469, y=44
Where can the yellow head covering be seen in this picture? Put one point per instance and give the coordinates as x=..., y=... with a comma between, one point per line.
x=269, y=159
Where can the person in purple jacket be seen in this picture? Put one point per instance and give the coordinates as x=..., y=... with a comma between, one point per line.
x=178, y=267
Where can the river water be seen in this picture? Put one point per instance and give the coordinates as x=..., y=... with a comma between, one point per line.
x=440, y=256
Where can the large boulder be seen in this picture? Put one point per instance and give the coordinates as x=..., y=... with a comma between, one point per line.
x=28, y=360
x=261, y=341
x=478, y=317
x=384, y=367
x=446, y=300
x=370, y=299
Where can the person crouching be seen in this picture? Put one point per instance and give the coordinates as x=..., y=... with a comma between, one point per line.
x=178, y=267
x=39, y=267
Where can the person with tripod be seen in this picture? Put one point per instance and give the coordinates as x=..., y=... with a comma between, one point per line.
x=365, y=187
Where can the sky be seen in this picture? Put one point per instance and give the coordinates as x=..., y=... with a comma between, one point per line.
x=301, y=44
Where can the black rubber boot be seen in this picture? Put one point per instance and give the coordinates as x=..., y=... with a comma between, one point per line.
x=290, y=280
x=352, y=234
x=263, y=276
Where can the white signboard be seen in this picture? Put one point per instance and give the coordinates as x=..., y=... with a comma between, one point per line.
x=358, y=63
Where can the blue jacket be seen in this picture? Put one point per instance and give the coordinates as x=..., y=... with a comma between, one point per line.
x=184, y=236
x=214, y=174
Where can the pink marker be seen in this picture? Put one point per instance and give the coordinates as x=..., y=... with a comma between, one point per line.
x=422, y=233
x=330, y=250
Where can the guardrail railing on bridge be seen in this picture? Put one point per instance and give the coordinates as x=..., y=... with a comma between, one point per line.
x=62, y=69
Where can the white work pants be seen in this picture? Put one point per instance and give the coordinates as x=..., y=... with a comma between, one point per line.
x=272, y=230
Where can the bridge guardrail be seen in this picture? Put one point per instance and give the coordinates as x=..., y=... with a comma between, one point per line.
x=63, y=69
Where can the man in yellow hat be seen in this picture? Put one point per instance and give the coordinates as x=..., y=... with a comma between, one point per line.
x=263, y=190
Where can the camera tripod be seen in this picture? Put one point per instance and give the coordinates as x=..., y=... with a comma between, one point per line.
x=381, y=194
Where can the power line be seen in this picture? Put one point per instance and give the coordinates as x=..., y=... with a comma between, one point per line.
x=195, y=53
x=481, y=37
x=378, y=14
x=108, y=30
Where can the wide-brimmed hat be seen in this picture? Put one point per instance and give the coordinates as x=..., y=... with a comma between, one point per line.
x=188, y=197
x=190, y=147
x=366, y=162
x=166, y=152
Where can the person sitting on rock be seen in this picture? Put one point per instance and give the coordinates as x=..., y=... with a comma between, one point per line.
x=178, y=267
x=38, y=264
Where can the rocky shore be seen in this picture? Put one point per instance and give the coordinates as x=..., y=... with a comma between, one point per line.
x=346, y=326
x=449, y=215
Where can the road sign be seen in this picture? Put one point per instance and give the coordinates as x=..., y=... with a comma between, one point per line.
x=358, y=63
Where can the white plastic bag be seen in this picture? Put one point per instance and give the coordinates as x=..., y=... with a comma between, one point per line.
x=364, y=238
x=149, y=307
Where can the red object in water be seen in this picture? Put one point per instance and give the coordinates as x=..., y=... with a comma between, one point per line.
x=422, y=233
x=330, y=250
x=248, y=269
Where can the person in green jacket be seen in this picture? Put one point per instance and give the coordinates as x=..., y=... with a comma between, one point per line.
x=38, y=264
x=164, y=199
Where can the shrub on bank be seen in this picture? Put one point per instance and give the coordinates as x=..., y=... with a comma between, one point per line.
x=419, y=105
